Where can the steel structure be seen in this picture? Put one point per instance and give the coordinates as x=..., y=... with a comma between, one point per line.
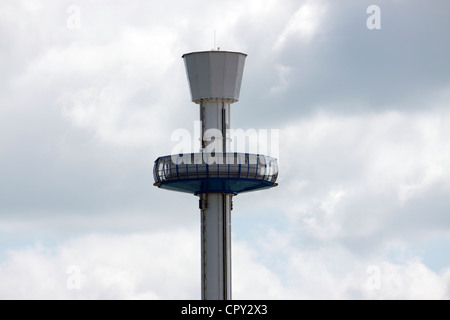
x=215, y=174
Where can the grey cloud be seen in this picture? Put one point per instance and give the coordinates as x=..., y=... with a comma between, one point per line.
x=65, y=173
x=347, y=68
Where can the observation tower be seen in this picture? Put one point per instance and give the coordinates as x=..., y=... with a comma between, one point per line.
x=214, y=173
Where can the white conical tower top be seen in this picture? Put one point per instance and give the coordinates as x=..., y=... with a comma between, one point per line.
x=214, y=74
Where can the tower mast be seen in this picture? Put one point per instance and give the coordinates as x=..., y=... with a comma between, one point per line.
x=215, y=174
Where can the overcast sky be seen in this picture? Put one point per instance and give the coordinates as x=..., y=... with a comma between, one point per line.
x=91, y=91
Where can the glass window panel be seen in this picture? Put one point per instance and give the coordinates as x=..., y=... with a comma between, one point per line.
x=166, y=170
x=223, y=170
x=234, y=170
x=214, y=170
x=240, y=158
x=173, y=171
x=219, y=158
x=252, y=171
x=202, y=171
x=182, y=171
x=253, y=159
x=262, y=171
x=198, y=158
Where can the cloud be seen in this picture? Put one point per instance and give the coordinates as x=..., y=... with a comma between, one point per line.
x=363, y=120
x=368, y=182
x=281, y=266
x=283, y=74
x=303, y=24
x=136, y=266
x=346, y=68
x=148, y=266
x=376, y=184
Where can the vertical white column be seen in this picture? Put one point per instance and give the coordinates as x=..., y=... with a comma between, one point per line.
x=216, y=210
x=215, y=118
x=216, y=247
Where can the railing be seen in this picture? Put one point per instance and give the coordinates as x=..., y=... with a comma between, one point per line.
x=215, y=165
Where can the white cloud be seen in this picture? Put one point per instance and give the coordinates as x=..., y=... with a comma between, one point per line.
x=303, y=24
x=100, y=87
x=135, y=266
x=412, y=280
x=84, y=112
x=283, y=79
x=367, y=181
x=166, y=265
x=381, y=152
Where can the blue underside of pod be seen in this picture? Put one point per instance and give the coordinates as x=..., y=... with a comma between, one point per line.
x=216, y=185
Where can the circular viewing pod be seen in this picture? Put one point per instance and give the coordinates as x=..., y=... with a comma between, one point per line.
x=232, y=173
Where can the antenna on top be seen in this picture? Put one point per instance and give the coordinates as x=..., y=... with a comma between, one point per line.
x=214, y=47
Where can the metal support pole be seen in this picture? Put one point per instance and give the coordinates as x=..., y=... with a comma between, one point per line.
x=216, y=210
x=216, y=246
